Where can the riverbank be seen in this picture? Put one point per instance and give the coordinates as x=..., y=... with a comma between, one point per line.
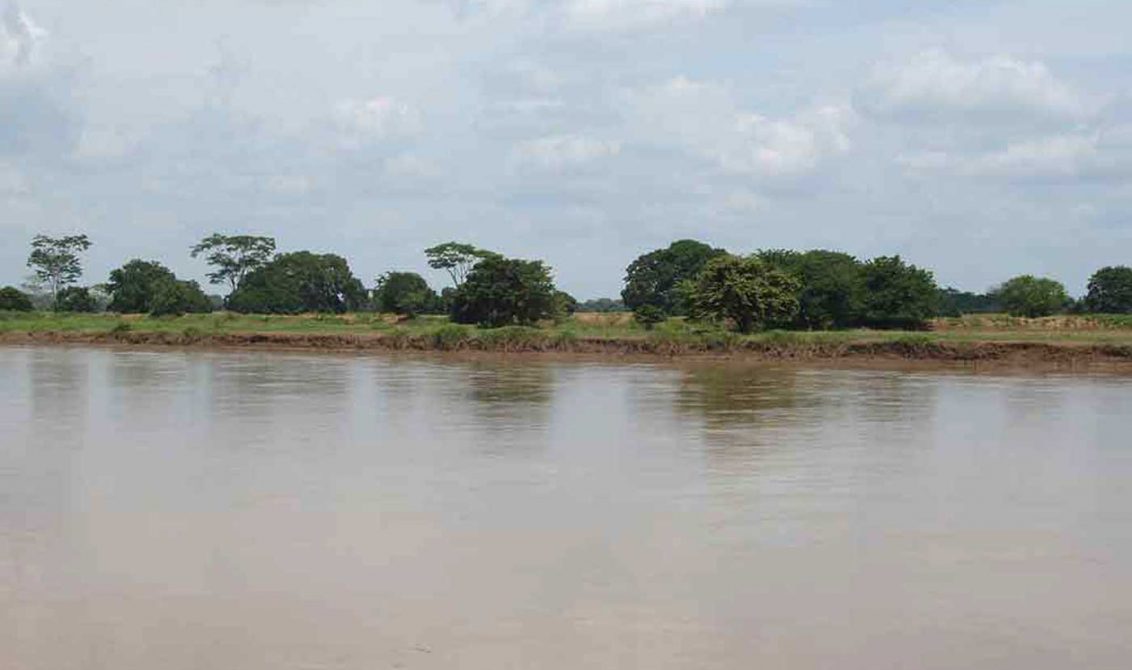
x=977, y=339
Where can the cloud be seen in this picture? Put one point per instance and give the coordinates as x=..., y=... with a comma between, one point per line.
x=376, y=119
x=20, y=40
x=561, y=152
x=624, y=14
x=936, y=83
x=703, y=118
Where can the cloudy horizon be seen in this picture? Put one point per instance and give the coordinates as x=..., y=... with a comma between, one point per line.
x=978, y=139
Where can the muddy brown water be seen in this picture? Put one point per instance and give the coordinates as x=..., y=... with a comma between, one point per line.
x=188, y=510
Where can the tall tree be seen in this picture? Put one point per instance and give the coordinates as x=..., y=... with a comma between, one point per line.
x=55, y=261
x=897, y=294
x=1110, y=291
x=300, y=282
x=745, y=291
x=1031, y=296
x=658, y=277
x=234, y=256
x=505, y=291
x=457, y=259
x=134, y=286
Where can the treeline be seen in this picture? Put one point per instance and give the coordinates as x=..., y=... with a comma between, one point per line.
x=811, y=290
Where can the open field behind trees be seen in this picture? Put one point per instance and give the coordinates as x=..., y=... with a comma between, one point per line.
x=983, y=337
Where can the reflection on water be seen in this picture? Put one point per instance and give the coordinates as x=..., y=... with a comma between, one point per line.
x=246, y=510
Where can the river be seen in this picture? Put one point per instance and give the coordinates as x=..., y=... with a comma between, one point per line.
x=245, y=510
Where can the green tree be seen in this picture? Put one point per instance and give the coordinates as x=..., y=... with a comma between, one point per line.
x=300, y=282
x=404, y=293
x=179, y=297
x=565, y=304
x=234, y=256
x=897, y=294
x=457, y=259
x=649, y=315
x=833, y=286
x=953, y=302
x=14, y=300
x=1110, y=291
x=76, y=299
x=55, y=261
x=505, y=291
x=745, y=291
x=134, y=286
x=658, y=278
x=1030, y=296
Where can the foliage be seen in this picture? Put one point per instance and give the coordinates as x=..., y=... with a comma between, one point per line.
x=76, y=299
x=14, y=300
x=564, y=304
x=1110, y=291
x=602, y=305
x=953, y=302
x=457, y=259
x=134, y=286
x=649, y=315
x=404, y=293
x=179, y=297
x=55, y=261
x=300, y=282
x=832, y=292
x=1031, y=296
x=897, y=294
x=505, y=291
x=747, y=291
x=656, y=278
x=234, y=256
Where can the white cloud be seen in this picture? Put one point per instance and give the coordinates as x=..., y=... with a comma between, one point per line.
x=379, y=119
x=20, y=40
x=703, y=118
x=559, y=152
x=622, y=14
x=934, y=82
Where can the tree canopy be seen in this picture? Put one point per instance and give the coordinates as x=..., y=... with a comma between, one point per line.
x=657, y=278
x=234, y=256
x=1110, y=291
x=76, y=299
x=746, y=291
x=150, y=287
x=456, y=258
x=1030, y=296
x=300, y=282
x=404, y=293
x=832, y=286
x=14, y=300
x=55, y=261
x=897, y=294
x=505, y=291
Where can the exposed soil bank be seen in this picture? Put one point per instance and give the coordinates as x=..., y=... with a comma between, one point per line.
x=912, y=349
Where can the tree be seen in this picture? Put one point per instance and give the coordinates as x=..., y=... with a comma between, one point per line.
x=832, y=286
x=134, y=286
x=76, y=299
x=300, y=282
x=604, y=305
x=953, y=302
x=746, y=291
x=897, y=294
x=404, y=293
x=179, y=297
x=1030, y=296
x=1110, y=291
x=565, y=304
x=658, y=277
x=504, y=291
x=457, y=259
x=234, y=256
x=55, y=261
x=14, y=300
x=649, y=315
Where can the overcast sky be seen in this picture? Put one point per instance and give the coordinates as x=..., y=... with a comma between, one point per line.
x=978, y=138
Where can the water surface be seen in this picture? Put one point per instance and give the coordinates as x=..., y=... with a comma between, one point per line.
x=187, y=510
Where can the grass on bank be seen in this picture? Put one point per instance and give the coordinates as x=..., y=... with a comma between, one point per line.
x=437, y=332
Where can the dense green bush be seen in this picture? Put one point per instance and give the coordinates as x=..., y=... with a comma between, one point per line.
x=1110, y=291
x=505, y=291
x=745, y=291
x=405, y=293
x=76, y=299
x=659, y=278
x=134, y=286
x=15, y=300
x=180, y=297
x=897, y=294
x=1032, y=297
x=832, y=287
x=300, y=282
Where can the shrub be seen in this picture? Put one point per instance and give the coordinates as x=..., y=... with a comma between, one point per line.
x=1032, y=297
x=12, y=299
x=745, y=291
x=505, y=291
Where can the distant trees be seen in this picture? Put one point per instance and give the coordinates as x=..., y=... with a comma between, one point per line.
x=76, y=299
x=299, y=282
x=505, y=291
x=1030, y=296
x=55, y=261
x=746, y=291
x=234, y=256
x=14, y=300
x=404, y=293
x=1110, y=291
x=601, y=305
x=897, y=294
x=659, y=277
x=150, y=287
x=953, y=302
x=457, y=259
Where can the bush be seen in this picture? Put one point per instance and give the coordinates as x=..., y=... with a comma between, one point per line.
x=75, y=299
x=897, y=294
x=180, y=297
x=300, y=282
x=745, y=291
x=134, y=286
x=404, y=293
x=1032, y=297
x=1110, y=291
x=648, y=316
x=505, y=291
x=14, y=300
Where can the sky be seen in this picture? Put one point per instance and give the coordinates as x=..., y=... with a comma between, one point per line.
x=980, y=139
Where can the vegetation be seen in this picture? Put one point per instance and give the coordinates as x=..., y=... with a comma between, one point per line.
x=659, y=278
x=1031, y=296
x=14, y=300
x=505, y=291
x=76, y=299
x=602, y=305
x=745, y=291
x=140, y=287
x=405, y=293
x=953, y=302
x=300, y=282
x=897, y=294
x=457, y=259
x=831, y=291
x=1110, y=291
x=234, y=256
x=55, y=261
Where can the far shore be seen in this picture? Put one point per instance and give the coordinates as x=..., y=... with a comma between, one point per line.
x=1062, y=342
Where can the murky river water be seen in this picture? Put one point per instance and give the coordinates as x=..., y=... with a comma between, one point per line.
x=273, y=511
